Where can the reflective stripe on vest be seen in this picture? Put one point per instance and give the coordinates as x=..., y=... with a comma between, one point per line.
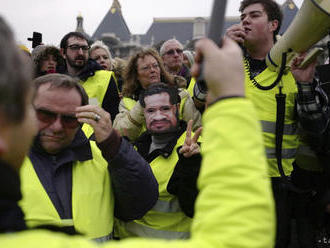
x=145, y=231
x=265, y=105
x=166, y=219
x=270, y=127
x=286, y=153
x=92, y=197
x=104, y=238
x=172, y=206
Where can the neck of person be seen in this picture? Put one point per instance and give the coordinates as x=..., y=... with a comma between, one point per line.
x=259, y=50
x=73, y=71
x=174, y=70
x=159, y=141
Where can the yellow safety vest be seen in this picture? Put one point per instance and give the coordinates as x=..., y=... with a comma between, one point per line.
x=265, y=104
x=96, y=87
x=191, y=86
x=92, y=198
x=166, y=219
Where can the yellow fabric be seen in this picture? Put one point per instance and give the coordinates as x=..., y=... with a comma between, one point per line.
x=92, y=197
x=173, y=221
x=191, y=86
x=96, y=87
x=234, y=208
x=265, y=104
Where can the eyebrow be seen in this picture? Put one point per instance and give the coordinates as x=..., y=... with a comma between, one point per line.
x=252, y=12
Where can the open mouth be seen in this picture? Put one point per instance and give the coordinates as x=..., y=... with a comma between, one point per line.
x=246, y=30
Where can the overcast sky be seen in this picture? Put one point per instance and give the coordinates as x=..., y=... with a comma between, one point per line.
x=55, y=18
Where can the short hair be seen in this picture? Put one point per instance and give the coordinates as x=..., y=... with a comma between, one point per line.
x=131, y=84
x=57, y=80
x=158, y=88
x=15, y=77
x=64, y=41
x=162, y=48
x=272, y=9
x=99, y=44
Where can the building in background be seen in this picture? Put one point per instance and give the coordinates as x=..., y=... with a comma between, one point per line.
x=114, y=31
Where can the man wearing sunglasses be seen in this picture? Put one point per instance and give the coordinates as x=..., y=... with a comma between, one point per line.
x=72, y=182
x=100, y=85
x=172, y=54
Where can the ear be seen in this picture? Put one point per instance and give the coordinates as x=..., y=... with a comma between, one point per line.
x=273, y=25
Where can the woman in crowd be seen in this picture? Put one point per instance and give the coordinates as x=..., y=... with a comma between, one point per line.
x=101, y=54
x=47, y=59
x=145, y=68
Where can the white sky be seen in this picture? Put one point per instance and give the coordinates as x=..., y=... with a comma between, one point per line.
x=55, y=18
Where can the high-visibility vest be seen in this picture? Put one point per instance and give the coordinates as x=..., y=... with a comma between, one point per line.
x=166, y=219
x=96, y=87
x=92, y=198
x=191, y=86
x=265, y=104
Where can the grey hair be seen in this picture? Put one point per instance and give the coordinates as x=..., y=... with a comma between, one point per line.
x=163, y=47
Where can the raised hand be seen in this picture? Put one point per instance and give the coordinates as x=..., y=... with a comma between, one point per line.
x=190, y=146
x=98, y=118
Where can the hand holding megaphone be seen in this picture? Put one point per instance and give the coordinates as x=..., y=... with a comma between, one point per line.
x=310, y=25
x=305, y=74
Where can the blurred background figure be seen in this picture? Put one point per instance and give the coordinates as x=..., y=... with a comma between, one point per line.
x=47, y=59
x=188, y=58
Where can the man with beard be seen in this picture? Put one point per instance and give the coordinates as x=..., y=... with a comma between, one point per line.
x=100, y=85
x=158, y=146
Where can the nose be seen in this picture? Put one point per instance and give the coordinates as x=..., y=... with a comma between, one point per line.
x=246, y=20
x=57, y=124
x=158, y=115
x=80, y=51
x=51, y=61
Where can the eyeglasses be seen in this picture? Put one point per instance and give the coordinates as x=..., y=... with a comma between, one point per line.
x=172, y=51
x=77, y=48
x=149, y=67
x=49, y=117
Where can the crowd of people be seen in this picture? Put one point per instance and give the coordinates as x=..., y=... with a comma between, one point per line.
x=96, y=150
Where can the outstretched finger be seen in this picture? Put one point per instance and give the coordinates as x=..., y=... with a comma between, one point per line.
x=197, y=134
x=188, y=133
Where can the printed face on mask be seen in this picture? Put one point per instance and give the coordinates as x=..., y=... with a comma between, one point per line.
x=159, y=113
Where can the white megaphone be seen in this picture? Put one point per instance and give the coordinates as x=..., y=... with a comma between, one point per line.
x=310, y=25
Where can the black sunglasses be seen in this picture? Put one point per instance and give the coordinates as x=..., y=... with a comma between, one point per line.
x=172, y=51
x=49, y=117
